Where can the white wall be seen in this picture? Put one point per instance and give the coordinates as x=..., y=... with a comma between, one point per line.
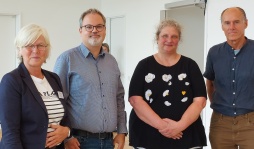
x=59, y=17
x=141, y=18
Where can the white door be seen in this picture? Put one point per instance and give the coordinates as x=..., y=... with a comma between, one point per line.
x=192, y=20
x=116, y=40
x=7, y=48
x=8, y=25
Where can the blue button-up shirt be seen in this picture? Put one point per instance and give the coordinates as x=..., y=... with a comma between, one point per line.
x=93, y=89
x=233, y=76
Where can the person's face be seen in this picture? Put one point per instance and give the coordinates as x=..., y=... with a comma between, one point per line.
x=233, y=24
x=94, y=37
x=168, y=40
x=34, y=55
x=105, y=49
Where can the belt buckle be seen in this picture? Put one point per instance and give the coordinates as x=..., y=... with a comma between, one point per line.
x=102, y=135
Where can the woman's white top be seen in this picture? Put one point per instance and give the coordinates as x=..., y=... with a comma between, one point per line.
x=53, y=105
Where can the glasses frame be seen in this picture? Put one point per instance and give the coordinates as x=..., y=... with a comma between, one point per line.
x=39, y=47
x=96, y=27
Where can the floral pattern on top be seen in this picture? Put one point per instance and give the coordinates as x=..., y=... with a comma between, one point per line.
x=148, y=94
x=165, y=93
x=169, y=91
x=149, y=77
x=184, y=99
x=166, y=78
x=183, y=92
x=167, y=103
x=182, y=76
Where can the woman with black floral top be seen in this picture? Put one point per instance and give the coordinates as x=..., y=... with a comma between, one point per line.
x=167, y=93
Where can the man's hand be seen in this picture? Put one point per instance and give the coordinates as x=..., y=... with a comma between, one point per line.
x=72, y=144
x=120, y=140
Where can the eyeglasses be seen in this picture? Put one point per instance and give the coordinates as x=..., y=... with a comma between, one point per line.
x=40, y=47
x=90, y=28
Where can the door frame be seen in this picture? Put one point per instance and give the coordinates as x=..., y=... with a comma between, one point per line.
x=17, y=17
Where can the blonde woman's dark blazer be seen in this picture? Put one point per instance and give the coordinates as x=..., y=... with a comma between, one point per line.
x=23, y=114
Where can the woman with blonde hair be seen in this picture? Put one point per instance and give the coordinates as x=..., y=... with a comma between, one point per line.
x=32, y=105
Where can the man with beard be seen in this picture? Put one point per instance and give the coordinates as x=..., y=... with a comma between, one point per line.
x=93, y=89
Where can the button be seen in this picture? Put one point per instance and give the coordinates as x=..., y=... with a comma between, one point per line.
x=235, y=113
x=233, y=104
x=233, y=69
x=233, y=80
x=234, y=93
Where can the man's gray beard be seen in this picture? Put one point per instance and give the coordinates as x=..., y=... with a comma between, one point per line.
x=95, y=42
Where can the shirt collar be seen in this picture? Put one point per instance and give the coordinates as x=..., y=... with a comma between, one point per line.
x=87, y=53
x=247, y=40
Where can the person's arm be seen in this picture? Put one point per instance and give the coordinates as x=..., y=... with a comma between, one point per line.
x=119, y=141
x=192, y=113
x=56, y=137
x=62, y=130
x=189, y=116
x=10, y=112
x=61, y=69
x=210, y=89
x=145, y=113
x=121, y=113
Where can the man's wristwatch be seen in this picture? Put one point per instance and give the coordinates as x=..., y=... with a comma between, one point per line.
x=69, y=134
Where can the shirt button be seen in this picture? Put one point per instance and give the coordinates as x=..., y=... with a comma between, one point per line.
x=233, y=104
x=235, y=113
x=233, y=69
x=234, y=93
x=233, y=80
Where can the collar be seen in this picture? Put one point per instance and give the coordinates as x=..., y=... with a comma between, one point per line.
x=87, y=53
